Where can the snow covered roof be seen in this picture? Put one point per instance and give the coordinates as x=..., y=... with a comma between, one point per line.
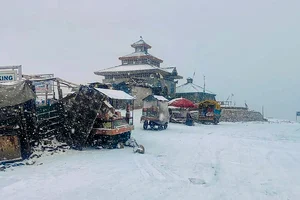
x=160, y=98
x=115, y=94
x=141, y=53
x=141, y=42
x=190, y=88
x=154, y=98
x=129, y=68
x=169, y=69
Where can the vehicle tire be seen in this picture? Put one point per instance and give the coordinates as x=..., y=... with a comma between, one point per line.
x=160, y=127
x=113, y=141
x=216, y=121
x=166, y=125
x=103, y=140
x=129, y=135
x=152, y=124
x=125, y=136
x=145, y=126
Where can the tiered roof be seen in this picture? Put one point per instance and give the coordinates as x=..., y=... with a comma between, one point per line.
x=141, y=51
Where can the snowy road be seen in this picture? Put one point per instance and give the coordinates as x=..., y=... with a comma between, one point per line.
x=228, y=161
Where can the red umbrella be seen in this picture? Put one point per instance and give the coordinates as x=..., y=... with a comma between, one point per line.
x=181, y=103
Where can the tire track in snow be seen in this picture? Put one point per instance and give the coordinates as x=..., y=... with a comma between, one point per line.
x=213, y=169
x=280, y=162
x=165, y=172
x=142, y=170
x=153, y=171
x=149, y=170
x=217, y=168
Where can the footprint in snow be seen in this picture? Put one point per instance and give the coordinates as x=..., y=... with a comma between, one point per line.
x=197, y=181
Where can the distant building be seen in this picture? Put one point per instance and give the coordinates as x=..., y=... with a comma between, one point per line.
x=140, y=74
x=194, y=92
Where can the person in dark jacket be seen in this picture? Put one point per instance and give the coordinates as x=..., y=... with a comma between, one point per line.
x=189, y=120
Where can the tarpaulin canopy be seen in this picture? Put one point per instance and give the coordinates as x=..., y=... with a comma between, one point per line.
x=14, y=93
x=181, y=103
x=210, y=103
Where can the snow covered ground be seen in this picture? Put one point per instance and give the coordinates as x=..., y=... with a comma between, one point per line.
x=227, y=161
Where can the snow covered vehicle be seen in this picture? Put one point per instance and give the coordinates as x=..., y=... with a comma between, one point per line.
x=110, y=127
x=91, y=118
x=155, y=112
x=209, y=112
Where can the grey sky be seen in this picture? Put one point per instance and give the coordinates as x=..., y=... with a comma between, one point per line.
x=248, y=48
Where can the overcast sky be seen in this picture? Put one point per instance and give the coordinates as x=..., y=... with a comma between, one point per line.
x=246, y=48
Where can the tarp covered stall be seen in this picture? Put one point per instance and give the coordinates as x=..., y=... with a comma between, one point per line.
x=179, y=110
x=16, y=119
x=14, y=93
x=178, y=115
x=181, y=103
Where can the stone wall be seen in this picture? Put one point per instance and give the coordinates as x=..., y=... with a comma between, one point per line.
x=238, y=115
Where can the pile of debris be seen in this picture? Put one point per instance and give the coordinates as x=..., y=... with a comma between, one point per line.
x=46, y=147
x=28, y=131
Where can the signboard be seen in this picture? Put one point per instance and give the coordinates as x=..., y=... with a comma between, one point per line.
x=44, y=86
x=298, y=113
x=7, y=76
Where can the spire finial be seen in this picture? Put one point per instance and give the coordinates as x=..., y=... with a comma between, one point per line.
x=141, y=37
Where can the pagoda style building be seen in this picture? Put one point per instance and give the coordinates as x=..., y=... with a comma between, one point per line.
x=141, y=74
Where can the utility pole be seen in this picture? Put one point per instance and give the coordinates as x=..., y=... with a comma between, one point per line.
x=46, y=95
x=262, y=111
x=204, y=84
x=194, y=74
